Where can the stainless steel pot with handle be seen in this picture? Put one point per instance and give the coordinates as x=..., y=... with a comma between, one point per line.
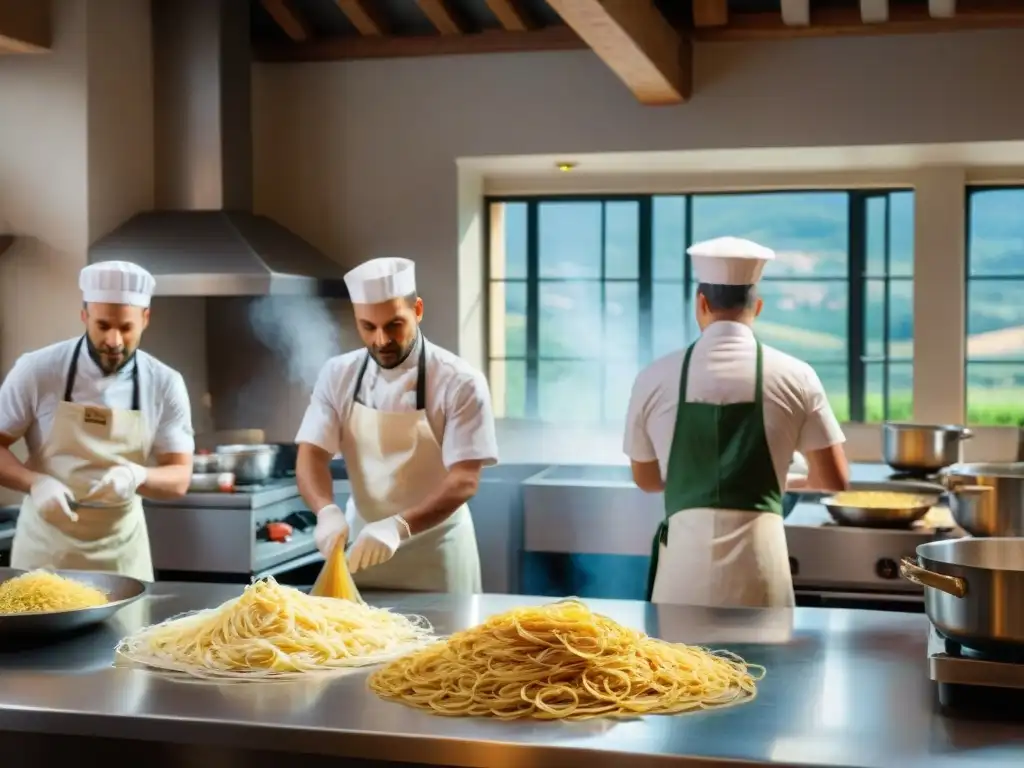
x=973, y=590
x=987, y=499
x=922, y=448
x=254, y=464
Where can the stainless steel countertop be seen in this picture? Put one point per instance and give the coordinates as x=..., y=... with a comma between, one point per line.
x=844, y=688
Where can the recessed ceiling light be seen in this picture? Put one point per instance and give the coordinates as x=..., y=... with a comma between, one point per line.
x=565, y=165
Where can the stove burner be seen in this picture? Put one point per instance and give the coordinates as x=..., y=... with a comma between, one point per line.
x=1001, y=655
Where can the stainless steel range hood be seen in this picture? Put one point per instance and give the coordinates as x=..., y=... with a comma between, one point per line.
x=204, y=239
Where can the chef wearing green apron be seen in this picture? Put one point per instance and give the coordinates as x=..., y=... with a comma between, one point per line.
x=714, y=427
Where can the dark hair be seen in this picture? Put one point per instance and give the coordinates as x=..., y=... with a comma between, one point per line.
x=728, y=298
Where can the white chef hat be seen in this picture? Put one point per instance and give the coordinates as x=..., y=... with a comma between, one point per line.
x=116, y=282
x=729, y=261
x=380, y=280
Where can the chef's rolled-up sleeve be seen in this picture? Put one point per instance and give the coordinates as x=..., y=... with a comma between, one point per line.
x=18, y=399
x=469, y=432
x=821, y=427
x=636, y=442
x=174, y=433
x=321, y=425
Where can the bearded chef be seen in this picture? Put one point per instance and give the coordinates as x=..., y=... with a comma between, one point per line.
x=414, y=424
x=94, y=411
x=714, y=427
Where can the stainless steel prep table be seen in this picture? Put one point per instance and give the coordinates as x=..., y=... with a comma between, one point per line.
x=845, y=688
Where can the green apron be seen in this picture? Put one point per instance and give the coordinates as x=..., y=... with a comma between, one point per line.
x=719, y=459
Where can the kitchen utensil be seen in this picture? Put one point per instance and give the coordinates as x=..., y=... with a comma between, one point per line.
x=879, y=517
x=254, y=464
x=973, y=590
x=212, y=482
x=996, y=512
x=922, y=448
x=121, y=590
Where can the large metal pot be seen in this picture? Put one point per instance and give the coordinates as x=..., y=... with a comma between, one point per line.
x=973, y=590
x=922, y=448
x=987, y=499
x=254, y=464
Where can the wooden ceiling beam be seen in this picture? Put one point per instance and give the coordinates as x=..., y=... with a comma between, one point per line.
x=710, y=13
x=846, y=22
x=874, y=11
x=359, y=47
x=796, y=13
x=364, y=17
x=942, y=9
x=511, y=15
x=25, y=27
x=637, y=43
x=288, y=18
x=444, y=18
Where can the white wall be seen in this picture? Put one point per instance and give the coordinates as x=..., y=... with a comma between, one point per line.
x=361, y=157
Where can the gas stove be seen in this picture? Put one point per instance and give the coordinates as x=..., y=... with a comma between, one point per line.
x=849, y=566
x=974, y=683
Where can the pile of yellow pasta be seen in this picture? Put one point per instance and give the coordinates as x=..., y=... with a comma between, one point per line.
x=882, y=500
x=45, y=592
x=274, y=631
x=562, y=661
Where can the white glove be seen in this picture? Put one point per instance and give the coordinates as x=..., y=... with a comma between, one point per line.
x=331, y=528
x=376, y=543
x=50, y=495
x=122, y=481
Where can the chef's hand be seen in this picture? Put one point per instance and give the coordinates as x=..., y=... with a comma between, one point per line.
x=377, y=543
x=50, y=495
x=122, y=481
x=331, y=528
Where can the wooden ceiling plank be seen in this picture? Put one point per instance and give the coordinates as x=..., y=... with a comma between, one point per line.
x=288, y=18
x=25, y=27
x=942, y=9
x=349, y=47
x=442, y=16
x=637, y=43
x=874, y=11
x=364, y=17
x=511, y=15
x=710, y=13
x=846, y=22
x=796, y=13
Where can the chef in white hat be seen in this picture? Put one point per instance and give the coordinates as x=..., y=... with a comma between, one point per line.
x=714, y=427
x=415, y=426
x=103, y=422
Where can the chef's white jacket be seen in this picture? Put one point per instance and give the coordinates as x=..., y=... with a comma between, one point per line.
x=458, y=402
x=797, y=413
x=31, y=391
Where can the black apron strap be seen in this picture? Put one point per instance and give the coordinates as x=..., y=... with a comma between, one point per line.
x=69, y=382
x=421, y=377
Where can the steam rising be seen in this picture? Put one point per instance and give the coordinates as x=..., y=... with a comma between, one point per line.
x=300, y=330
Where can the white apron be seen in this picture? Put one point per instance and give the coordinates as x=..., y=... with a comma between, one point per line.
x=109, y=535
x=393, y=460
x=722, y=542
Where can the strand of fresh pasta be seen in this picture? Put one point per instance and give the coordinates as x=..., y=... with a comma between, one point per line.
x=273, y=631
x=562, y=661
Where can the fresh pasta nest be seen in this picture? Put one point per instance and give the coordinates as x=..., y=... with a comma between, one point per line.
x=562, y=661
x=276, y=632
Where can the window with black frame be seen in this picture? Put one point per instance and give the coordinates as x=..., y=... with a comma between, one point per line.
x=585, y=291
x=995, y=306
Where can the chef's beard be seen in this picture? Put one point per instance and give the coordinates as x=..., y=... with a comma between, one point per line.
x=392, y=355
x=107, y=363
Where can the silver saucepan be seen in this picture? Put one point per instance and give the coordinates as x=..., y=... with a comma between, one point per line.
x=987, y=499
x=973, y=590
x=922, y=448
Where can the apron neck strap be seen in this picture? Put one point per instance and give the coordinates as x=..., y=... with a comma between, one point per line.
x=421, y=375
x=69, y=382
x=758, y=374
